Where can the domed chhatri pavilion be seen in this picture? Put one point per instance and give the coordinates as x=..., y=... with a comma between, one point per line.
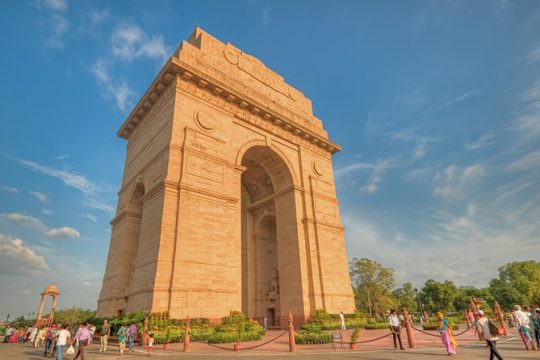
x=52, y=291
x=228, y=199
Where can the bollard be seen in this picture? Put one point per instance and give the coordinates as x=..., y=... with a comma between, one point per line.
x=292, y=343
x=408, y=328
x=500, y=316
x=145, y=331
x=186, y=335
x=469, y=325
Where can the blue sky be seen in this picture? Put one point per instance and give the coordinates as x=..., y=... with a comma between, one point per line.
x=436, y=105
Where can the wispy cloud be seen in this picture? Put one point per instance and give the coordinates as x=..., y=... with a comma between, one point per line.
x=18, y=259
x=528, y=123
x=453, y=180
x=10, y=189
x=98, y=17
x=62, y=157
x=526, y=162
x=374, y=181
x=533, y=55
x=69, y=178
x=73, y=180
x=129, y=41
x=90, y=217
x=47, y=211
x=56, y=10
x=486, y=139
x=116, y=90
x=266, y=16
x=457, y=99
x=39, y=196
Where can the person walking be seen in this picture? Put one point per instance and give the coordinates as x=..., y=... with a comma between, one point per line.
x=62, y=337
x=149, y=343
x=104, y=335
x=82, y=337
x=535, y=321
x=342, y=321
x=394, y=323
x=482, y=326
x=48, y=340
x=132, y=334
x=122, y=335
x=522, y=323
x=447, y=336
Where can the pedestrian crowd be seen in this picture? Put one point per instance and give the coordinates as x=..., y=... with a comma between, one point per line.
x=58, y=340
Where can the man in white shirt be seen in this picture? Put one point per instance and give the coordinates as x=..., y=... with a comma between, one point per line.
x=61, y=340
x=393, y=321
x=482, y=326
x=342, y=320
x=522, y=323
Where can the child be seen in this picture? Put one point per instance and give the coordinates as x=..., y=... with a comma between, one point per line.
x=150, y=343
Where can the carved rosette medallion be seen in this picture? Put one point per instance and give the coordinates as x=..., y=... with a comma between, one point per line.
x=317, y=169
x=204, y=121
x=230, y=56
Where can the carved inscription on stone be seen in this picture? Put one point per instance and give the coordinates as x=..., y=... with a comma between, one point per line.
x=204, y=171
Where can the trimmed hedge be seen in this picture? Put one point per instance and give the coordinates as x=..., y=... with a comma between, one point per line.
x=305, y=338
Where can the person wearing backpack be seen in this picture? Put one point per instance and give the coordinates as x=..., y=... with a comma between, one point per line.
x=488, y=330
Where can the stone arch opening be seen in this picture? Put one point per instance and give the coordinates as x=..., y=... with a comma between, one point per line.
x=266, y=177
x=49, y=295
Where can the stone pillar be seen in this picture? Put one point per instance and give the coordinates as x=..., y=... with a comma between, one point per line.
x=40, y=308
x=53, y=307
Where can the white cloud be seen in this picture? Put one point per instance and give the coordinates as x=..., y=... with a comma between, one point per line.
x=62, y=157
x=534, y=55
x=99, y=205
x=116, y=90
x=346, y=170
x=90, y=217
x=10, y=189
x=24, y=220
x=58, y=22
x=56, y=5
x=39, y=196
x=69, y=178
x=129, y=41
x=98, y=16
x=373, y=183
x=453, y=179
x=266, y=17
x=62, y=232
x=528, y=123
x=483, y=141
x=47, y=211
x=18, y=259
x=457, y=99
x=529, y=161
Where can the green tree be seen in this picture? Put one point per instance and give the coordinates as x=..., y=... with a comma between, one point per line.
x=71, y=316
x=372, y=285
x=405, y=297
x=463, y=298
x=517, y=284
x=438, y=296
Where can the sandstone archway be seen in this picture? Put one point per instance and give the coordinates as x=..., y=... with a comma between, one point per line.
x=53, y=292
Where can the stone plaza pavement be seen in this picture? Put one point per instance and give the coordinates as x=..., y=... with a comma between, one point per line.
x=428, y=348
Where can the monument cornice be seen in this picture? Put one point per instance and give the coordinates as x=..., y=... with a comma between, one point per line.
x=188, y=73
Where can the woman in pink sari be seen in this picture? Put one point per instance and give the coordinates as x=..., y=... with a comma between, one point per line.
x=447, y=335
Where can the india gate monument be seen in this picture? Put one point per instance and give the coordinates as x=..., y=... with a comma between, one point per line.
x=228, y=199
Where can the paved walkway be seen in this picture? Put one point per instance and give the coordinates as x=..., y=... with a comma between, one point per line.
x=511, y=348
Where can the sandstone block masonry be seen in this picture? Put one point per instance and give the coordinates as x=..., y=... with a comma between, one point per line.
x=228, y=199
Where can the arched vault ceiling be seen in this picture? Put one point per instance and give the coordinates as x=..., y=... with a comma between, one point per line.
x=266, y=173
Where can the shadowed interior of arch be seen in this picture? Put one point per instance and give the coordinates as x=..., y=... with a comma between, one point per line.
x=266, y=176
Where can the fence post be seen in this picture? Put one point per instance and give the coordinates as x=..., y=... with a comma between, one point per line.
x=408, y=328
x=469, y=325
x=500, y=316
x=186, y=335
x=292, y=343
